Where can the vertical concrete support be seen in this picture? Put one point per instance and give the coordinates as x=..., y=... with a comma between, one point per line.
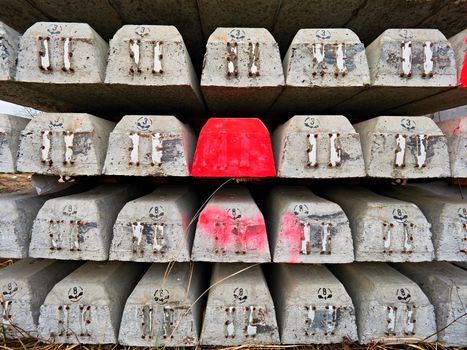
x=86, y=307
x=455, y=131
x=388, y=305
x=242, y=72
x=404, y=67
x=404, y=147
x=312, y=306
x=24, y=286
x=10, y=129
x=151, y=67
x=305, y=228
x=322, y=67
x=155, y=228
x=163, y=308
x=240, y=309
x=318, y=146
x=148, y=145
x=447, y=215
x=383, y=228
x=450, y=98
x=79, y=226
x=64, y=144
x=231, y=228
x=446, y=287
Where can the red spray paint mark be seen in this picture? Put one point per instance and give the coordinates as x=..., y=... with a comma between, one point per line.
x=453, y=126
x=234, y=147
x=292, y=232
x=229, y=233
x=463, y=77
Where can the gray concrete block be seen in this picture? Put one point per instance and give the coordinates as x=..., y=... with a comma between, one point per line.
x=231, y=228
x=312, y=306
x=461, y=264
x=79, y=226
x=149, y=145
x=64, y=144
x=24, y=286
x=305, y=228
x=239, y=309
x=447, y=215
x=322, y=67
x=10, y=129
x=446, y=287
x=163, y=308
x=86, y=307
x=455, y=131
x=405, y=65
x=242, y=71
x=389, y=307
x=383, y=228
x=403, y=147
x=150, y=66
x=155, y=228
x=318, y=146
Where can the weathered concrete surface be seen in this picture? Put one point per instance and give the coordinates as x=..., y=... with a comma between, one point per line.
x=242, y=72
x=318, y=146
x=455, y=131
x=383, y=228
x=403, y=147
x=305, y=228
x=461, y=264
x=405, y=65
x=442, y=188
x=79, y=226
x=86, y=307
x=44, y=184
x=388, y=305
x=231, y=228
x=322, y=67
x=312, y=306
x=163, y=308
x=155, y=228
x=240, y=309
x=10, y=129
x=68, y=60
x=150, y=66
x=24, y=286
x=64, y=144
x=150, y=145
x=447, y=215
x=446, y=287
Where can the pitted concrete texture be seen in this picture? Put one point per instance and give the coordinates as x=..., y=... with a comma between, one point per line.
x=10, y=129
x=79, y=226
x=455, y=131
x=86, y=307
x=242, y=71
x=150, y=145
x=64, y=144
x=406, y=65
x=318, y=146
x=24, y=286
x=447, y=215
x=155, y=228
x=383, y=228
x=240, y=309
x=231, y=228
x=150, y=66
x=446, y=287
x=163, y=308
x=450, y=98
x=312, y=306
x=322, y=67
x=389, y=306
x=404, y=147
x=305, y=228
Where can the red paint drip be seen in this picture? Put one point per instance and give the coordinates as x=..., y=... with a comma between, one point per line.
x=234, y=147
x=292, y=232
x=463, y=77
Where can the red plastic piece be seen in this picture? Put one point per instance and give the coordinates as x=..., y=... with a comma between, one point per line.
x=234, y=147
x=463, y=77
